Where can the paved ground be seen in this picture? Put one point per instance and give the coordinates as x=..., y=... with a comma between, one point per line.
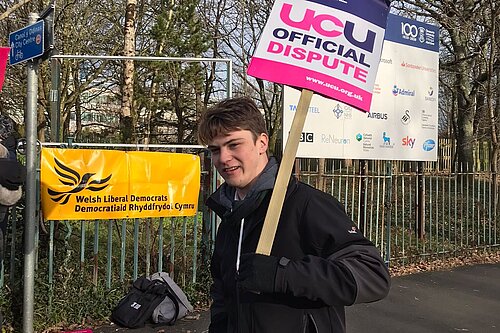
x=465, y=299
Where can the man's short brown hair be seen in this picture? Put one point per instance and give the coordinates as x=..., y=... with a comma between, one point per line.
x=232, y=114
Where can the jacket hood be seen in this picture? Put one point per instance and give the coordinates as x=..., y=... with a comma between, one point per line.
x=222, y=200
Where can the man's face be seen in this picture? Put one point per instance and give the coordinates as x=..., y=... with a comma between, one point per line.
x=239, y=159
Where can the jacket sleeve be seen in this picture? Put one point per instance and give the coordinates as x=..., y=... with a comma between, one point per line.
x=341, y=267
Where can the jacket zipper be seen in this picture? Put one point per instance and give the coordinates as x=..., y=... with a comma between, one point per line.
x=238, y=255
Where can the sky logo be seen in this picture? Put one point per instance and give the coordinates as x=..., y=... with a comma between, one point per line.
x=429, y=145
x=408, y=142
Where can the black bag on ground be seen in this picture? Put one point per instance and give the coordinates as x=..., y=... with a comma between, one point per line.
x=137, y=307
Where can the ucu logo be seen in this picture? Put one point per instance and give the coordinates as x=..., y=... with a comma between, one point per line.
x=328, y=26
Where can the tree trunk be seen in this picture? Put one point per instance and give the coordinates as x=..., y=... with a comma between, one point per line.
x=465, y=107
x=126, y=119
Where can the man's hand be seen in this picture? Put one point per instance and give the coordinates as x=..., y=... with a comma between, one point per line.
x=258, y=272
x=12, y=174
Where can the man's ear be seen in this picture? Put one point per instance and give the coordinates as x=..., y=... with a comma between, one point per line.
x=263, y=143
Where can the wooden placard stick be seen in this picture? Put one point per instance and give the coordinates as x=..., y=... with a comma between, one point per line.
x=278, y=196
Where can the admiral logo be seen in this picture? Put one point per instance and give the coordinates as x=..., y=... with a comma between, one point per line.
x=72, y=178
x=306, y=137
x=429, y=145
x=403, y=92
x=377, y=115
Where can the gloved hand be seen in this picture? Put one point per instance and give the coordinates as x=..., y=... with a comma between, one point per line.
x=12, y=174
x=258, y=272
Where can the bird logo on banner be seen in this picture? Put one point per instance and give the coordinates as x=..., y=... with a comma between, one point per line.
x=70, y=177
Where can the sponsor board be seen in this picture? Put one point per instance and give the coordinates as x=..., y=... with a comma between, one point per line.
x=403, y=108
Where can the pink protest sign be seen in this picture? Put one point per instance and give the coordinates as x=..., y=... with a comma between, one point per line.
x=331, y=47
x=4, y=55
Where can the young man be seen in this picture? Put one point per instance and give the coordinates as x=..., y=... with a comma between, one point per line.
x=319, y=263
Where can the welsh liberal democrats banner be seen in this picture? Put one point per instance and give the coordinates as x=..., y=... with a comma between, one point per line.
x=330, y=47
x=84, y=184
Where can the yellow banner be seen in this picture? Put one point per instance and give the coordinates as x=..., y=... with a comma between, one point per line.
x=86, y=184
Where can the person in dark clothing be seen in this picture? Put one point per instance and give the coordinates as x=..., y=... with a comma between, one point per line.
x=11, y=174
x=319, y=263
x=11, y=178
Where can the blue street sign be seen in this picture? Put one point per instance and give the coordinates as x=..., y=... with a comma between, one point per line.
x=26, y=43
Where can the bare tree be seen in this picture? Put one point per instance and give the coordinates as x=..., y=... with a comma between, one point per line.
x=466, y=28
x=127, y=118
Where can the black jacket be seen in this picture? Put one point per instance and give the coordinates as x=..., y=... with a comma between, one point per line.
x=332, y=264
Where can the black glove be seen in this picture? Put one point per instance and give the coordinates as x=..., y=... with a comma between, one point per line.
x=12, y=174
x=258, y=272
x=10, y=143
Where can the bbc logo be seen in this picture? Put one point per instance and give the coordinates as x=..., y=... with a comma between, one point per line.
x=306, y=137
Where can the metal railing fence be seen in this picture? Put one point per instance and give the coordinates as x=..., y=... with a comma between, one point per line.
x=411, y=212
